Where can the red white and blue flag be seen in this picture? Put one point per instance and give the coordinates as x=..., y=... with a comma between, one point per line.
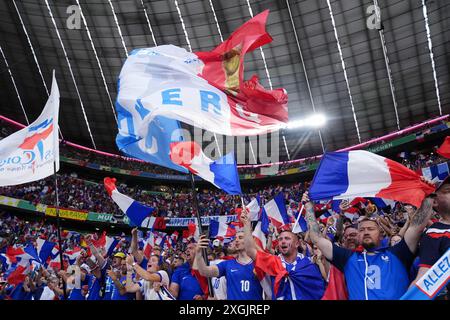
x=106, y=243
x=138, y=214
x=276, y=211
x=203, y=89
x=343, y=175
x=218, y=229
x=221, y=172
x=44, y=249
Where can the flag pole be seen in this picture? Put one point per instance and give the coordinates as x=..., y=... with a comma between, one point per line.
x=204, y=253
x=298, y=217
x=58, y=224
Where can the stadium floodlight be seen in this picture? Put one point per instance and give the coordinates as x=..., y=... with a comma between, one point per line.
x=313, y=121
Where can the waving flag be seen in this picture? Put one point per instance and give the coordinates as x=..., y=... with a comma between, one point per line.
x=254, y=208
x=444, y=149
x=149, y=244
x=261, y=230
x=72, y=254
x=33, y=149
x=301, y=225
x=222, y=172
x=342, y=175
x=107, y=243
x=193, y=231
x=139, y=214
x=222, y=230
x=276, y=211
x=203, y=89
x=44, y=249
x=22, y=257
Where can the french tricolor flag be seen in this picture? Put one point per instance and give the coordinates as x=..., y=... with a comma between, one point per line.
x=44, y=249
x=254, y=208
x=107, y=243
x=73, y=254
x=221, y=172
x=261, y=231
x=222, y=230
x=343, y=175
x=276, y=211
x=148, y=246
x=139, y=214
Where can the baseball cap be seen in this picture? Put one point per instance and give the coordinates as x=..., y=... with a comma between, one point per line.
x=120, y=255
x=441, y=183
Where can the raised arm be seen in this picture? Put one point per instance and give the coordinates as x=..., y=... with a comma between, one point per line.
x=130, y=285
x=418, y=223
x=94, y=251
x=116, y=280
x=206, y=271
x=249, y=242
x=134, y=246
x=144, y=274
x=324, y=244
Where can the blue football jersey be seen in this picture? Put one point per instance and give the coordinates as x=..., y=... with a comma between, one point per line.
x=242, y=283
x=379, y=275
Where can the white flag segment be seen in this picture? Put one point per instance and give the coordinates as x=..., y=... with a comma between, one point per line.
x=166, y=79
x=254, y=208
x=28, y=154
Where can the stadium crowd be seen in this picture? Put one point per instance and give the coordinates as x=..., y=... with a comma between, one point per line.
x=153, y=265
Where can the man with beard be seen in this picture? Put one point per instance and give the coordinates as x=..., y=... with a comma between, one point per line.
x=376, y=273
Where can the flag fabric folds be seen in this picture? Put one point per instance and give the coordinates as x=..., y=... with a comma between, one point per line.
x=276, y=211
x=44, y=249
x=342, y=175
x=221, y=172
x=203, y=89
x=28, y=154
x=106, y=242
x=261, y=231
x=222, y=230
x=254, y=209
x=139, y=214
x=444, y=149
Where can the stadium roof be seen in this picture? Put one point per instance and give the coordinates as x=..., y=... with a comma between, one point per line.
x=313, y=42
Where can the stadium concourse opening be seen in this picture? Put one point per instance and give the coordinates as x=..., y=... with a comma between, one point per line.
x=224, y=150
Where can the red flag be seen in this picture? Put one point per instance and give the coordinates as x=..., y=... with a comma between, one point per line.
x=444, y=149
x=271, y=265
x=224, y=69
x=203, y=281
x=337, y=288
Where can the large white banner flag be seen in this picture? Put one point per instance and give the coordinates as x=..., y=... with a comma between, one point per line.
x=203, y=89
x=28, y=155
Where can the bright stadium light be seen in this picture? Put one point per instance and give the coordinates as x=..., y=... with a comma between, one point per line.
x=314, y=121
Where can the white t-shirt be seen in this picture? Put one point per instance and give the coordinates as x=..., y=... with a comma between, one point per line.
x=147, y=286
x=219, y=284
